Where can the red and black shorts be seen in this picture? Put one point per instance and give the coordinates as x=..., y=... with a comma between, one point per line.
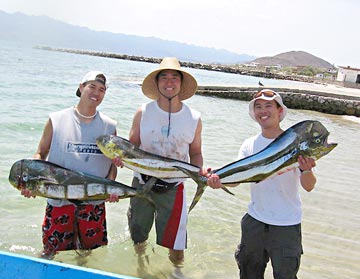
x=71, y=227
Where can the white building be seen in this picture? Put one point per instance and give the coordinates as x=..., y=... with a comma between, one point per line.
x=349, y=75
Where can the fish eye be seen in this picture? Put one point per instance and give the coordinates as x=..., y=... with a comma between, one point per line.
x=25, y=178
x=317, y=140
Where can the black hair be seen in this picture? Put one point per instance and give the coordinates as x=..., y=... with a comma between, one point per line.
x=181, y=74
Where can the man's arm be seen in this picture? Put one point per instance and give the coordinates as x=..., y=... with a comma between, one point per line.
x=134, y=135
x=195, y=151
x=45, y=142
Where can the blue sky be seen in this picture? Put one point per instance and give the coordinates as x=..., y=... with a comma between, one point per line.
x=325, y=28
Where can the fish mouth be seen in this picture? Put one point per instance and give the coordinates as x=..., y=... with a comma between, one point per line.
x=331, y=146
x=324, y=150
x=16, y=177
x=101, y=140
x=17, y=182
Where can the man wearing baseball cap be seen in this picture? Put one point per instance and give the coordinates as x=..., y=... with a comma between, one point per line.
x=271, y=230
x=69, y=140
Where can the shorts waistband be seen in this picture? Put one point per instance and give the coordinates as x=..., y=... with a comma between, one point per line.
x=160, y=186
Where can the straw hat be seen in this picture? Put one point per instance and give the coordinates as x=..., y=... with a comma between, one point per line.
x=188, y=83
x=268, y=95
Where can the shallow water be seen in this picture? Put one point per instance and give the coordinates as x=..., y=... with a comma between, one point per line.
x=35, y=83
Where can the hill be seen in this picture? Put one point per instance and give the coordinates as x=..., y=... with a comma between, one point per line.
x=294, y=59
x=42, y=30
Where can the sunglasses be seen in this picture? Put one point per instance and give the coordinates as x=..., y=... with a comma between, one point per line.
x=266, y=93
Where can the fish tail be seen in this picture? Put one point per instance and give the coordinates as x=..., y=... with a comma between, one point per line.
x=227, y=191
x=201, y=182
x=199, y=191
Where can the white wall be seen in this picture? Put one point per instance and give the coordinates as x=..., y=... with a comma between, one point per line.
x=347, y=75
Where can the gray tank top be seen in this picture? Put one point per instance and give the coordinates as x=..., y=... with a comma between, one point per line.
x=74, y=146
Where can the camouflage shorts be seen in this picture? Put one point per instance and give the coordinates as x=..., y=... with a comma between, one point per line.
x=261, y=242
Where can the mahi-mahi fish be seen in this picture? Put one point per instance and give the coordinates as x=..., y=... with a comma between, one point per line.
x=307, y=138
x=142, y=161
x=149, y=163
x=49, y=180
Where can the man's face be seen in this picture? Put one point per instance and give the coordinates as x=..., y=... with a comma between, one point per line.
x=267, y=112
x=93, y=92
x=169, y=82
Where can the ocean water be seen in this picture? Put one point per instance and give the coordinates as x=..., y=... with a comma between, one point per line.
x=36, y=82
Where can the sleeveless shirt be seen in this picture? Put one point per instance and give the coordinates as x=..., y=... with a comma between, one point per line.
x=154, y=125
x=73, y=144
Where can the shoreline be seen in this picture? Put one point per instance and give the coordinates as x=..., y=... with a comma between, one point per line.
x=308, y=94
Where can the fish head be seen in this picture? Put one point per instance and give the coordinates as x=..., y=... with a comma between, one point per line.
x=109, y=146
x=316, y=141
x=114, y=146
x=21, y=176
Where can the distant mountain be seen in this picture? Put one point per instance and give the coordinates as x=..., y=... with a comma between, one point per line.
x=293, y=59
x=42, y=30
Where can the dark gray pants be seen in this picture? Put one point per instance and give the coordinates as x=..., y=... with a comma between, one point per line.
x=261, y=242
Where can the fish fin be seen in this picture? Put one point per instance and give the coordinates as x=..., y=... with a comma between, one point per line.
x=45, y=180
x=146, y=188
x=227, y=191
x=201, y=185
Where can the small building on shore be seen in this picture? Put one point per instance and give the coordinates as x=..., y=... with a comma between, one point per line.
x=349, y=76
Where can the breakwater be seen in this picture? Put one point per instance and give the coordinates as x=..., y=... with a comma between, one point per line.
x=293, y=98
x=233, y=69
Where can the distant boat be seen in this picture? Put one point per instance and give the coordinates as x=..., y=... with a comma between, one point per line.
x=15, y=266
x=260, y=83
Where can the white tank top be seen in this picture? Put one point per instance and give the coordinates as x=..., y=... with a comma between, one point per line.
x=154, y=127
x=73, y=143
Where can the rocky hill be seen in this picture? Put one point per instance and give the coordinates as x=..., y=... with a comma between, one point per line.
x=294, y=59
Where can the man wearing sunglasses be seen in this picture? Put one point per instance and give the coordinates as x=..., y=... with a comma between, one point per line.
x=271, y=229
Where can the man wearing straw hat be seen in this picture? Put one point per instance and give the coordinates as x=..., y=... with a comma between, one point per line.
x=167, y=127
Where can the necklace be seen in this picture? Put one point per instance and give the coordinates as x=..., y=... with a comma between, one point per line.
x=85, y=116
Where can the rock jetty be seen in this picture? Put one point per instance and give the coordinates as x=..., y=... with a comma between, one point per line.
x=293, y=98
